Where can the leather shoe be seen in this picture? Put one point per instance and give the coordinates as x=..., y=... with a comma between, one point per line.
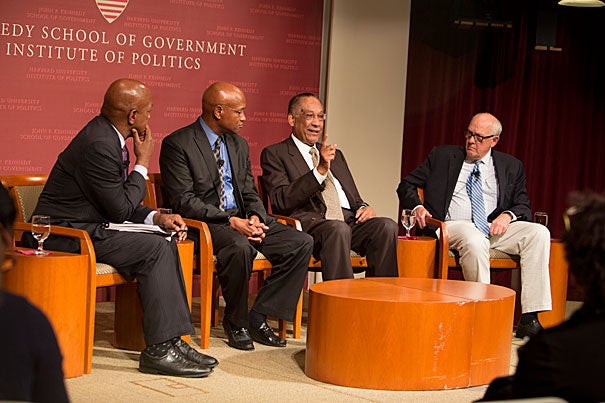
x=264, y=335
x=528, y=329
x=192, y=355
x=238, y=338
x=172, y=363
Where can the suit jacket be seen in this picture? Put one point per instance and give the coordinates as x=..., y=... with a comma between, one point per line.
x=191, y=178
x=292, y=187
x=86, y=186
x=438, y=174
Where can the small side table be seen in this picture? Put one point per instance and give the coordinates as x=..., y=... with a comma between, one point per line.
x=57, y=285
x=416, y=257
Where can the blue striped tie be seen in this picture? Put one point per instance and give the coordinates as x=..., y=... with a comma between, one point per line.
x=475, y=193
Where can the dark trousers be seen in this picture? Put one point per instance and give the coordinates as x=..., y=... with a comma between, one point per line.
x=155, y=263
x=288, y=251
x=376, y=239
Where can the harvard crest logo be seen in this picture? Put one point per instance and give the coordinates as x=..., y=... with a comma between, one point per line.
x=111, y=9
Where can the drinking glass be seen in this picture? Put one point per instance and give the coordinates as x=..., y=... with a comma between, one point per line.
x=407, y=220
x=541, y=217
x=40, y=231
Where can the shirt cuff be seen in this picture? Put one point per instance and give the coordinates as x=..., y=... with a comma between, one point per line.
x=141, y=169
x=149, y=218
x=320, y=178
x=513, y=216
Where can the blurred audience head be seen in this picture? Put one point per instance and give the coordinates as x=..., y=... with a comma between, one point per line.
x=7, y=217
x=585, y=245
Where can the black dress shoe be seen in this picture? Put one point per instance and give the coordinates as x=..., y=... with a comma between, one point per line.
x=238, y=338
x=192, y=355
x=172, y=363
x=264, y=335
x=528, y=328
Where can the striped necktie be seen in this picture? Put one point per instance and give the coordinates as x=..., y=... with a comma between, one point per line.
x=475, y=193
x=220, y=163
x=329, y=194
x=125, y=162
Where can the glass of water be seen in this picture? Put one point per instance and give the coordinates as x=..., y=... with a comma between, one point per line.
x=41, y=231
x=407, y=220
x=541, y=217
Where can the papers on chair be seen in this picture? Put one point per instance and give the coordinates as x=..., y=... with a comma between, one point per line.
x=144, y=228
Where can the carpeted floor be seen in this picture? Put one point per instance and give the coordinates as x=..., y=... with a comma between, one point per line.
x=265, y=374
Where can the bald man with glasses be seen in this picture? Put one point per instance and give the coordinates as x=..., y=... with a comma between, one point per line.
x=480, y=193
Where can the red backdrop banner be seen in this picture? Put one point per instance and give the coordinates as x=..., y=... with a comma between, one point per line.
x=58, y=58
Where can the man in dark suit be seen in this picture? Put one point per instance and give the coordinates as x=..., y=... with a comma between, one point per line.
x=449, y=176
x=311, y=182
x=206, y=170
x=89, y=186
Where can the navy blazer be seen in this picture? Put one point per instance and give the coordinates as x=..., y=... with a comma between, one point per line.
x=191, y=178
x=438, y=174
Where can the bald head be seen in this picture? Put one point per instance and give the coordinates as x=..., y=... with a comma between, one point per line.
x=223, y=107
x=124, y=102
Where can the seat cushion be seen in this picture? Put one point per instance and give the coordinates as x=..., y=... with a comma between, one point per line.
x=493, y=254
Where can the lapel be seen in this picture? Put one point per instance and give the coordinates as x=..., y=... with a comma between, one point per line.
x=454, y=167
x=297, y=160
x=201, y=141
x=500, y=174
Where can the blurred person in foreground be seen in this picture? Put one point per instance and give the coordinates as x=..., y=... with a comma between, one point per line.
x=568, y=361
x=31, y=359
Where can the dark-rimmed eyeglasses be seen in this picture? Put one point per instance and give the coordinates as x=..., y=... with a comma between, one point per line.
x=478, y=138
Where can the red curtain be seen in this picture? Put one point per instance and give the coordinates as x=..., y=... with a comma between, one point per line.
x=551, y=104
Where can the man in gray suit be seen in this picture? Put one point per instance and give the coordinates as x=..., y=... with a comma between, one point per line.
x=310, y=181
x=90, y=186
x=206, y=171
x=446, y=177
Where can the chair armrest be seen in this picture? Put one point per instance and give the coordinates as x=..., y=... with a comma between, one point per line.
x=442, y=246
x=292, y=222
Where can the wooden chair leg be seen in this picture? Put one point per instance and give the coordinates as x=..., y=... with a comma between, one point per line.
x=215, y=301
x=297, y=322
x=206, y=296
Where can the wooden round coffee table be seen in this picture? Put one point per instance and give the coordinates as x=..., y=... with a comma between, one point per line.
x=408, y=333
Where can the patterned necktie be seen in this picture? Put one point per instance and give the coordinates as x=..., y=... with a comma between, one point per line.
x=220, y=163
x=125, y=162
x=475, y=193
x=330, y=194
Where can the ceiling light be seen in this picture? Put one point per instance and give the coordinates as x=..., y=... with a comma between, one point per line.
x=582, y=3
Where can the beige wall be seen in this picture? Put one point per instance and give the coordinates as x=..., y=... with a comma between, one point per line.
x=365, y=93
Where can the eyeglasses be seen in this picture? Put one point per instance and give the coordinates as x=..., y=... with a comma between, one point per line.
x=239, y=112
x=567, y=216
x=478, y=138
x=309, y=116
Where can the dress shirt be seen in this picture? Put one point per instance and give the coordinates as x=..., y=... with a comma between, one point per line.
x=304, y=150
x=227, y=177
x=460, y=206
